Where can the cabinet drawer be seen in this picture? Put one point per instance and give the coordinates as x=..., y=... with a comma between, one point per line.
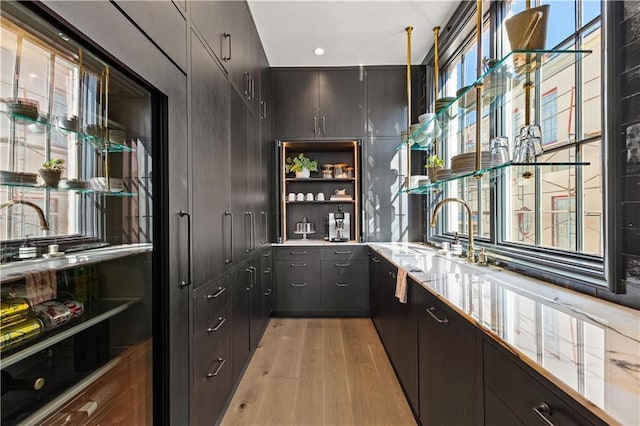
x=209, y=301
x=303, y=294
x=343, y=253
x=344, y=294
x=343, y=271
x=297, y=253
x=209, y=338
x=298, y=270
x=522, y=393
x=212, y=383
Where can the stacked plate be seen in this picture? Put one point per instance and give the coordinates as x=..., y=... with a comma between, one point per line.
x=22, y=178
x=443, y=174
x=467, y=162
x=22, y=106
x=73, y=184
x=100, y=184
x=443, y=102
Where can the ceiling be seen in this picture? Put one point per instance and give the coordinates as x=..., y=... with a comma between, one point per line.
x=350, y=32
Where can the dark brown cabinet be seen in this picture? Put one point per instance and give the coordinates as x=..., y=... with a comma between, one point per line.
x=210, y=152
x=241, y=282
x=448, y=349
x=515, y=396
x=322, y=281
x=212, y=350
x=327, y=103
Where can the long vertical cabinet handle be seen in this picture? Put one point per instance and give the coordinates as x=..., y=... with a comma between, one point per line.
x=253, y=89
x=247, y=90
x=315, y=125
x=187, y=283
x=324, y=128
x=252, y=233
x=254, y=276
x=247, y=244
x=266, y=227
x=229, y=255
x=227, y=36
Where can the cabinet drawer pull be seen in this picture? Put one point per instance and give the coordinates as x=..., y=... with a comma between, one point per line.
x=375, y=260
x=218, y=293
x=343, y=265
x=298, y=252
x=343, y=284
x=298, y=284
x=268, y=292
x=431, y=312
x=315, y=125
x=342, y=252
x=221, y=362
x=393, y=275
x=543, y=410
x=267, y=254
x=268, y=270
x=324, y=129
x=298, y=265
x=217, y=327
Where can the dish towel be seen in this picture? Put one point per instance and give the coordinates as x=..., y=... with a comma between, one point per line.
x=40, y=286
x=401, y=284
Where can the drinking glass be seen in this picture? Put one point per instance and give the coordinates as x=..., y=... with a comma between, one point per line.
x=499, y=150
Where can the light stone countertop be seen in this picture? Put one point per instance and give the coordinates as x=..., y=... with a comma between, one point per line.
x=588, y=347
x=15, y=269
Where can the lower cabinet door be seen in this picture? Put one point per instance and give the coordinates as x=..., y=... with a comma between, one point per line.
x=298, y=294
x=212, y=382
x=343, y=294
x=527, y=398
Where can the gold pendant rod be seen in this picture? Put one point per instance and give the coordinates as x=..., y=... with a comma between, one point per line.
x=479, y=87
x=409, y=29
x=436, y=68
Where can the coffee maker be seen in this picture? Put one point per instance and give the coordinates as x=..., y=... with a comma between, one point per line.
x=339, y=226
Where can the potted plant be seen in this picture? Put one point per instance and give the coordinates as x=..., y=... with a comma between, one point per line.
x=434, y=163
x=301, y=166
x=51, y=171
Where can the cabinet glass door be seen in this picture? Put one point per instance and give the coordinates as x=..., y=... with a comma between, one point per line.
x=76, y=231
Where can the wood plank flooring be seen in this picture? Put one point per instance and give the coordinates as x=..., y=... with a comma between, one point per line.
x=325, y=371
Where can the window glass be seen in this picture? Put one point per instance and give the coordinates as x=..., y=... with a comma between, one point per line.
x=561, y=21
x=591, y=9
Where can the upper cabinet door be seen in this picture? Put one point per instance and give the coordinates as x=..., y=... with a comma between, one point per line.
x=296, y=103
x=220, y=23
x=341, y=103
x=386, y=101
x=210, y=134
x=265, y=92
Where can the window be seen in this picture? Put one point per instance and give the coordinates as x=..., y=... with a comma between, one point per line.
x=552, y=209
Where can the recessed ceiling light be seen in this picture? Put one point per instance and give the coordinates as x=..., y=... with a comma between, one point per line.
x=318, y=51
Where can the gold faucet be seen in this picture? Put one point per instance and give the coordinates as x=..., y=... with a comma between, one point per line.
x=44, y=225
x=470, y=256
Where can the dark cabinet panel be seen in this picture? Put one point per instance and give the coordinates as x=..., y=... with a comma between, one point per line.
x=401, y=334
x=240, y=310
x=212, y=384
x=344, y=253
x=256, y=321
x=239, y=199
x=298, y=253
x=523, y=396
x=265, y=93
x=375, y=291
x=386, y=101
x=448, y=372
x=341, y=100
x=164, y=24
x=210, y=120
x=218, y=22
x=267, y=284
x=298, y=295
x=295, y=103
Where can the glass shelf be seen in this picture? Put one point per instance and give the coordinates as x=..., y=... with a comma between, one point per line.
x=95, y=313
x=322, y=202
x=495, y=171
x=320, y=180
x=79, y=190
x=40, y=125
x=507, y=74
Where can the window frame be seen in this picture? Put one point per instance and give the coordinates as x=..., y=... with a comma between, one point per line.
x=566, y=267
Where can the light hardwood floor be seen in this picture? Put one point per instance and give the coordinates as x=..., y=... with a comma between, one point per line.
x=327, y=371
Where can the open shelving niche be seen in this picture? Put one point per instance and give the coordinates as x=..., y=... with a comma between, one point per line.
x=499, y=81
x=344, y=151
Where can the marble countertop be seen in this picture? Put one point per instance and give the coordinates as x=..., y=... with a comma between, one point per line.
x=16, y=269
x=302, y=242
x=588, y=347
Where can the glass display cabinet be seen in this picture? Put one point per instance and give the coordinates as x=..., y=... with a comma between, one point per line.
x=76, y=231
